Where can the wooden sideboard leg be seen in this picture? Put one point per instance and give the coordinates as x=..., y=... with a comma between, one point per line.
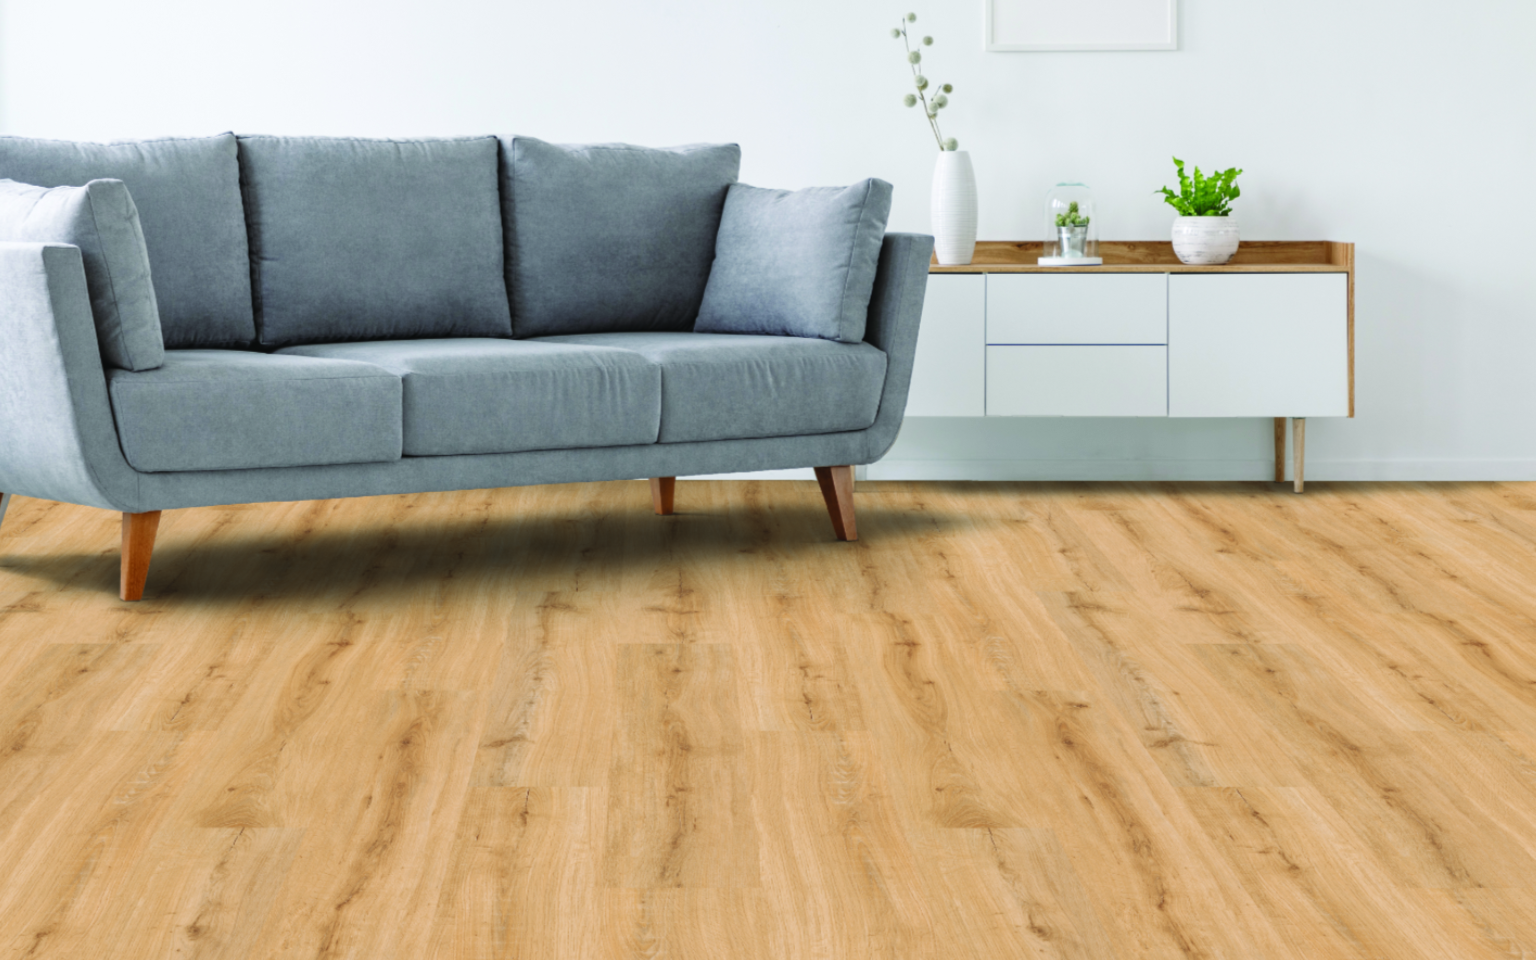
x=138, y=545
x=1301, y=453
x=662, y=490
x=5, y=504
x=837, y=491
x=1279, y=449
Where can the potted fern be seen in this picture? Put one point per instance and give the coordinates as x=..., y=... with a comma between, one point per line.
x=1205, y=231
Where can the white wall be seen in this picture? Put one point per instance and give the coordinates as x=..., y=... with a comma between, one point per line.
x=1393, y=123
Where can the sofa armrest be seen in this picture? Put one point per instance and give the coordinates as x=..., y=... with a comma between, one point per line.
x=58, y=440
x=894, y=313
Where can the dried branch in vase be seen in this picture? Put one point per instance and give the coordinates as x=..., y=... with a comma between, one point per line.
x=933, y=99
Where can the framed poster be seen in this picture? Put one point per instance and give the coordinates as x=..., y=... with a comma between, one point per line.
x=1082, y=25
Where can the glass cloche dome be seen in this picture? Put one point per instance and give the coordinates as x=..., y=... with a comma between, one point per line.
x=1071, y=228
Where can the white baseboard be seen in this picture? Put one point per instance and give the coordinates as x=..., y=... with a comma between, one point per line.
x=1072, y=470
x=804, y=473
x=1345, y=470
x=1194, y=470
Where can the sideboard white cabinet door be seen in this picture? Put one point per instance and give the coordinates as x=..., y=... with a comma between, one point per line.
x=949, y=376
x=1258, y=345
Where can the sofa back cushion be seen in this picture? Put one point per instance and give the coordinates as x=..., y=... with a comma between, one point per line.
x=101, y=220
x=797, y=264
x=374, y=239
x=187, y=192
x=610, y=237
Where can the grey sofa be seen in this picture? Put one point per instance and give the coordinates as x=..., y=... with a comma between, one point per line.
x=345, y=318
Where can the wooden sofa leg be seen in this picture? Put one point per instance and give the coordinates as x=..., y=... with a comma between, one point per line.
x=662, y=489
x=837, y=490
x=138, y=544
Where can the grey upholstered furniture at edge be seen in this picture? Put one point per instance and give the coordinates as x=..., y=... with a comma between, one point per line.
x=349, y=317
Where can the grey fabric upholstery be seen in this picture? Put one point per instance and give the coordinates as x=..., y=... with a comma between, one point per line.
x=53, y=405
x=895, y=310
x=470, y=396
x=188, y=196
x=101, y=220
x=374, y=239
x=58, y=439
x=234, y=410
x=727, y=387
x=894, y=313
x=610, y=237
x=166, y=491
x=796, y=263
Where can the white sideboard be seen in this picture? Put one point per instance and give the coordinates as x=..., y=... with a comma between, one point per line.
x=1270, y=335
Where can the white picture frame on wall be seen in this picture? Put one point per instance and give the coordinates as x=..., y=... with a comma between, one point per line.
x=1048, y=25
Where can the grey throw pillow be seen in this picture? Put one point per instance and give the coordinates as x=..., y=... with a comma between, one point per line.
x=610, y=237
x=102, y=221
x=797, y=263
x=188, y=194
x=355, y=239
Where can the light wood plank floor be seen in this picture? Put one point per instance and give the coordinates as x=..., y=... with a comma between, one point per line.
x=1076, y=721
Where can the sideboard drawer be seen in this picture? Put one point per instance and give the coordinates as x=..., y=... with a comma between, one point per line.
x=1073, y=381
x=1072, y=308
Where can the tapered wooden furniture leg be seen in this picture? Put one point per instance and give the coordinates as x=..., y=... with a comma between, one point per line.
x=837, y=490
x=1301, y=454
x=662, y=489
x=138, y=544
x=1279, y=449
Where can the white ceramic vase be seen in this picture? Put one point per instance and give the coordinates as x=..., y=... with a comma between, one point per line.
x=1205, y=240
x=954, y=208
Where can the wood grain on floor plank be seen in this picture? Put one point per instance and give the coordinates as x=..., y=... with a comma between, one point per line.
x=1066, y=721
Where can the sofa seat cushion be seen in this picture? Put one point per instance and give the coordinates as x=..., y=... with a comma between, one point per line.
x=233, y=410
x=608, y=237
x=187, y=192
x=724, y=386
x=374, y=239
x=466, y=396
x=101, y=219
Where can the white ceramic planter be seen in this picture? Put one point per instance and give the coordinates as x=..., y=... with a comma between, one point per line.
x=1205, y=240
x=954, y=208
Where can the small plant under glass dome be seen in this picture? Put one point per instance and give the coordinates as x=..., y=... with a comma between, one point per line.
x=1071, y=228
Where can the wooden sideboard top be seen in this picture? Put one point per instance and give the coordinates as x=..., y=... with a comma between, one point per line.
x=1156, y=256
